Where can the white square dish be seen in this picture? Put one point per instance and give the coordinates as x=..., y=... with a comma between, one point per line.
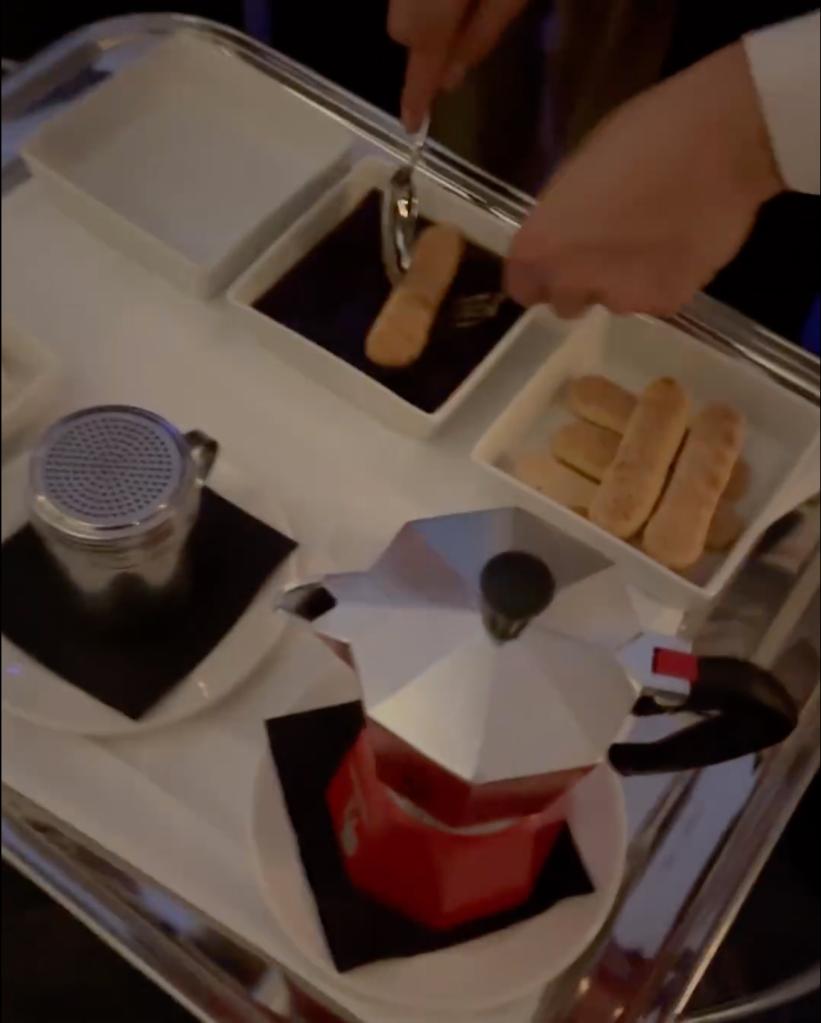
x=30, y=379
x=189, y=161
x=782, y=446
x=332, y=371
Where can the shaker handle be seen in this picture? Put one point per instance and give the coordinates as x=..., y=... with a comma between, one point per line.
x=204, y=451
x=745, y=709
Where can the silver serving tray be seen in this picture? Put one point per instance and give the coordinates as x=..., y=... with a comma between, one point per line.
x=678, y=900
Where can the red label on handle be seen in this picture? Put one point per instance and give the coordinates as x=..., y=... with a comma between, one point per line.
x=675, y=664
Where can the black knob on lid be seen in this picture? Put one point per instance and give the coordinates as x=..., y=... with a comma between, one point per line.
x=516, y=587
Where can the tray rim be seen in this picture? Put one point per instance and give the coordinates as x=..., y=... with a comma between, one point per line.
x=690, y=946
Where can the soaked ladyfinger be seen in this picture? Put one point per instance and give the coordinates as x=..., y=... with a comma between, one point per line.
x=402, y=329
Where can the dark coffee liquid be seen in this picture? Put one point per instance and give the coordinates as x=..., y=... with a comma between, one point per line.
x=333, y=295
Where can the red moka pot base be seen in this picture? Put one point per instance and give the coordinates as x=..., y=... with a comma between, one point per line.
x=438, y=878
x=452, y=800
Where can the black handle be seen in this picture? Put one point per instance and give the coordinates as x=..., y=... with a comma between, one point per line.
x=744, y=708
x=309, y=601
x=204, y=451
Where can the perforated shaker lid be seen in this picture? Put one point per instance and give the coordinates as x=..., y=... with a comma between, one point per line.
x=110, y=469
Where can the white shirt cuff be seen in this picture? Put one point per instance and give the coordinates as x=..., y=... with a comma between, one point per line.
x=785, y=60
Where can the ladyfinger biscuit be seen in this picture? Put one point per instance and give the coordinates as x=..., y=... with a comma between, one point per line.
x=402, y=329
x=591, y=449
x=600, y=401
x=540, y=470
x=585, y=447
x=726, y=527
x=632, y=484
x=676, y=535
x=739, y=482
x=739, y=479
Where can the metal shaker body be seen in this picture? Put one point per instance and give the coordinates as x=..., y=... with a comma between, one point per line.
x=114, y=494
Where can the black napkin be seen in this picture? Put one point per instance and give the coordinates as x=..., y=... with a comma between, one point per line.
x=334, y=294
x=231, y=556
x=307, y=748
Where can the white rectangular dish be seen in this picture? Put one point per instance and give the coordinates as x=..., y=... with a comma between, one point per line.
x=782, y=446
x=333, y=372
x=30, y=379
x=189, y=161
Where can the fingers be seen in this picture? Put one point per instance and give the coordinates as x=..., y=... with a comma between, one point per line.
x=572, y=283
x=525, y=282
x=652, y=297
x=481, y=33
x=533, y=271
x=570, y=302
x=423, y=80
x=445, y=38
x=426, y=24
x=428, y=28
x=568, y=294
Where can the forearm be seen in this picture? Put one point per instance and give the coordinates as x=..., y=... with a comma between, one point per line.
x=658, y=198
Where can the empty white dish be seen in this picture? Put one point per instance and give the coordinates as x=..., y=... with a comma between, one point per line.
x=190, y=161
x=782, y=446
x=333, y=372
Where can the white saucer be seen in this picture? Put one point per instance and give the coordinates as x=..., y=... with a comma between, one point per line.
x=477, y=975
x=34, y=693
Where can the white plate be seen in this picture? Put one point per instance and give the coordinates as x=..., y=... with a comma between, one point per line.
x=781, y=446
x=477, y=975
x=437, y=204
x=190, y=160
x=33, y=692
x=30, y=378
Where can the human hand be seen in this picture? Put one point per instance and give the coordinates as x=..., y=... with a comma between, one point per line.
x=661, y=195
x=445, y=38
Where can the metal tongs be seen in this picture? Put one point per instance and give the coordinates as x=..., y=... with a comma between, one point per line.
x=400, y=218
x=400, y=211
